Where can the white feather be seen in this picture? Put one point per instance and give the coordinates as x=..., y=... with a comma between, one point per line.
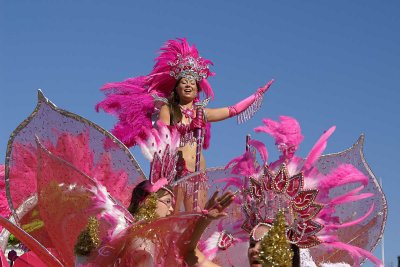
x=211, y=245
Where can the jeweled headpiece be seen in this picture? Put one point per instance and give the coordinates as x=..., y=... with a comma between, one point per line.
x=266, y=196
x=189, y=67
x=178, y=59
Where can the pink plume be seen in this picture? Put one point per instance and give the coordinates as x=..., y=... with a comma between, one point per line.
x=244, y=164
x=234, y=181
x=318, y=149
x=261, y=149
x=132, y=104
x=351, y=196
x=347, y=224
x=356, y=252
x=343, y=174
x=287, y=131
x=157, y=185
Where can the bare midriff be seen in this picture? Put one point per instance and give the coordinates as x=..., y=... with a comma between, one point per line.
x=189, y=155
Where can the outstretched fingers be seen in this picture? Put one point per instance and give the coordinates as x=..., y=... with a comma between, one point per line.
x=263, y=89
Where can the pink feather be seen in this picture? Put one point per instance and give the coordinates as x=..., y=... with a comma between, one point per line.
x=287, y=131
x=356, y=252
x=351, y=196
x=243, y=165
x=351, y=223
x=343, y=174
x=234, y=181
x=318, y=149
x=157, y=185
x=261, y=148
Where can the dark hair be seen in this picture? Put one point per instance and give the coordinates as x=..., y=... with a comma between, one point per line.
x=140, y=193
x=296, y=255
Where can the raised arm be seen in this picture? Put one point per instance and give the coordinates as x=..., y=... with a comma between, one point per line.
x=165, y=115
x=219, y=114
x=215, y=207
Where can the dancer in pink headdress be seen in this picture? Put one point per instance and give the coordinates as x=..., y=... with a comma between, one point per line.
x=333, y=209
x=171, y=92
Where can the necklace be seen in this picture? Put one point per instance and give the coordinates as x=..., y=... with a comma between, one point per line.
x=188, y=112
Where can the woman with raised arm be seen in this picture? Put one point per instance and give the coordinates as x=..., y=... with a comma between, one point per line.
x=171, y=93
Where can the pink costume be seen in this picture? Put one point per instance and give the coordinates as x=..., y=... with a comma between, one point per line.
x=136, y=101
x=62, y=169
x=337, y=209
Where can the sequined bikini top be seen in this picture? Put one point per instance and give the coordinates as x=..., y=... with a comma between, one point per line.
x=186, y=130
x=187, y=134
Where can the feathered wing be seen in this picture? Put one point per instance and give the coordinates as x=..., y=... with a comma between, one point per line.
x=74, y=152
x=76, y=140
x=350, y=182
x=317, y=150
x=132, y=104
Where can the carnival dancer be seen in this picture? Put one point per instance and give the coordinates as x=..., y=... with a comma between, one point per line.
x=171, y=93
x=324, y=208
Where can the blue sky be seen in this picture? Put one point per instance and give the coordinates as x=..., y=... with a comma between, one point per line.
x=335, y=63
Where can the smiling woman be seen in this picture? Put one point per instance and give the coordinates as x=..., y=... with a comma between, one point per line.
x=170, y=93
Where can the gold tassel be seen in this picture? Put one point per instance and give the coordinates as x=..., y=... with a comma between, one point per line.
x=274, y=248
x=88, y=239
x=148, y=210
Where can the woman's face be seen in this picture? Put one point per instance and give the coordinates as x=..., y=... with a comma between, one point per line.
x=186, y=90
x=254, y=246
x=164, y=205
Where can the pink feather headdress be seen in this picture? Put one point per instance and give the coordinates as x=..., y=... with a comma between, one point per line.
x=299, y=186
x=287, y=132
x=160, y=148
x=177, y=60
x=133, y=100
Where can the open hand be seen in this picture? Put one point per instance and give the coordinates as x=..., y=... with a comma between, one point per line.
x=215, y=206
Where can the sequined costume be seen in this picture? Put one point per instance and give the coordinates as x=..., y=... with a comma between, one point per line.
x=188, y=186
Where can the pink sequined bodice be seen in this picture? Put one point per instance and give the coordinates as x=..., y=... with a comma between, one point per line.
x=187, y=133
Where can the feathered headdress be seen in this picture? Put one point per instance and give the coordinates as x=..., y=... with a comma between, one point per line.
x=160, y=148
x=304, y=193
x=177, y=60
x=286, y=131
x=133, y=100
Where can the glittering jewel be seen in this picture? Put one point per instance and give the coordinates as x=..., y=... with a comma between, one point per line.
x=277, y=191
x=188, y=112
x=189, y=67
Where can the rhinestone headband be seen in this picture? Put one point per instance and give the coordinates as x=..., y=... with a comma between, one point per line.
x=189, y=67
